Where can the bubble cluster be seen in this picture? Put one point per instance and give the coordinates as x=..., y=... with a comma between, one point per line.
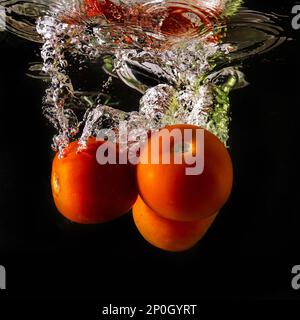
x=181, y=94
x=179, y=55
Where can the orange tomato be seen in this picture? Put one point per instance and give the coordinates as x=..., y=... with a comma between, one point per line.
x=85, y=191
x=168, y=190
x=168, y=234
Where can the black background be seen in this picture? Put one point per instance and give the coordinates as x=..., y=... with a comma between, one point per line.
x=249, y=251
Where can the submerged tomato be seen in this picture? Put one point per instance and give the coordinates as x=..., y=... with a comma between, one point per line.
x=85, y=191
x=172, y=20
x=106, y=8
x=167, y=188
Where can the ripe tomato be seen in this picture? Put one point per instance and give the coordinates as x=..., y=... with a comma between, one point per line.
x=106, y=8
x=168, y=234
x=85, y=191
x=174, y=20
x=178, y=21
x=168, y=190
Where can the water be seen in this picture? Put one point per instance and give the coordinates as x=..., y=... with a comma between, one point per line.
x=182, y=57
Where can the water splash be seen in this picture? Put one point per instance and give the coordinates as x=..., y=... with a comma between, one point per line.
x=253, y=33
x=180, y=56
x=20, y=17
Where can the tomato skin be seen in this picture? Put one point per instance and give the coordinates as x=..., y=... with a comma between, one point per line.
x=167, y=190
x=106, y=8
x=85, y=191
x=175, y=22
x=166, y=234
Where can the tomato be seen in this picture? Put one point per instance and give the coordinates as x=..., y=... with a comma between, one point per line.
x=167, y=188
x=166, y=234
x=106, y=8
x=178, y=21
x=173, y=20
x=85, y=191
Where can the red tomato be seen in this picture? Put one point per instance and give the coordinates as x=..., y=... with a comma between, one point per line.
x=168, y=234
x=168, y=190
x=176, y=19
x=85, y=191
x=106, y=8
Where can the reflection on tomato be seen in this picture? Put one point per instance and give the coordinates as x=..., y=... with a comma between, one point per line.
x=168, y=234
x=169, y=191
x=85, y=191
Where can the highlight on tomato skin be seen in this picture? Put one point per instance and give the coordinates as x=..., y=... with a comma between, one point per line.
x=166, y=234
x=85, y=191
x=170, y=192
